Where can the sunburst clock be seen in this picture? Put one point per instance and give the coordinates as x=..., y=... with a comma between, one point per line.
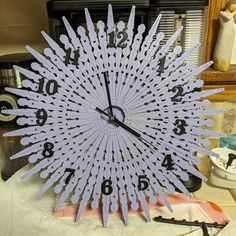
x=112, y=118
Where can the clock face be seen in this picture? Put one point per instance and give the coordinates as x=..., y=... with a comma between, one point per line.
x=112, y=117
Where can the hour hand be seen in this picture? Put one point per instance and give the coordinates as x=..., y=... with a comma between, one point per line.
x=124, y=126
x=102, y=112
x=108, y=93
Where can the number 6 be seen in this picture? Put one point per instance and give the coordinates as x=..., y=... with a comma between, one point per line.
x=106, y=187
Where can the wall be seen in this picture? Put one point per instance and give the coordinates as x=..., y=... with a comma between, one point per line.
x=21, y=22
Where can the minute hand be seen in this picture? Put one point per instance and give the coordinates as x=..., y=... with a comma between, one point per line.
x=115, y=120
x=124, y=126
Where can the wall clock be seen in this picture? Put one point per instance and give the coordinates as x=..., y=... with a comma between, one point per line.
x=111, y=118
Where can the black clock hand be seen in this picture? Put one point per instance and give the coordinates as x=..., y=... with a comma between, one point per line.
x=102, y=112
x=126, y=127
x=115, y=120
x=108, y=93
x=118, y=122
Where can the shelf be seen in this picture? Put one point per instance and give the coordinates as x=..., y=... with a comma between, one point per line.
x=217, y=79
x=214, y=77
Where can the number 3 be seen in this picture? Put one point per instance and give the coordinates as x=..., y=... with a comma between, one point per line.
x=180, y=127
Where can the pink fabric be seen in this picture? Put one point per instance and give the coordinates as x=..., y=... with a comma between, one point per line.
x=211, y=209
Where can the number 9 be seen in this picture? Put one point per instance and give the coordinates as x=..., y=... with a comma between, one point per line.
x=41, y=116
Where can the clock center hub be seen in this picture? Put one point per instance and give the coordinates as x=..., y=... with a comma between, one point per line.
x=118, y=113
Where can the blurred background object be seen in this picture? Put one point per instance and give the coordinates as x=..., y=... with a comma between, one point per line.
x=224, y=54
x=9, y=77
x=192, y=15
x=223, y=173
x=20, y=24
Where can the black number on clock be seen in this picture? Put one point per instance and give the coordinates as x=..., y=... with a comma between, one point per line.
x=180, y=127
x=122, y=34
x=41, y=116
x=111, y=43
x=179, y=92
x=143, y=182
x=107, y=187
x=47, y=151
x=71, y=171
x=162, y=64
x=168, y=162
x=51, y=86
x=76, y=56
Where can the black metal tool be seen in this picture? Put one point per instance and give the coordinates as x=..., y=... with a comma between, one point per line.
x=204, y=229
x=203, y=225
x=232, y=157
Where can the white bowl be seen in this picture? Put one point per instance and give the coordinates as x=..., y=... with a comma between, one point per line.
x=219, y=164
